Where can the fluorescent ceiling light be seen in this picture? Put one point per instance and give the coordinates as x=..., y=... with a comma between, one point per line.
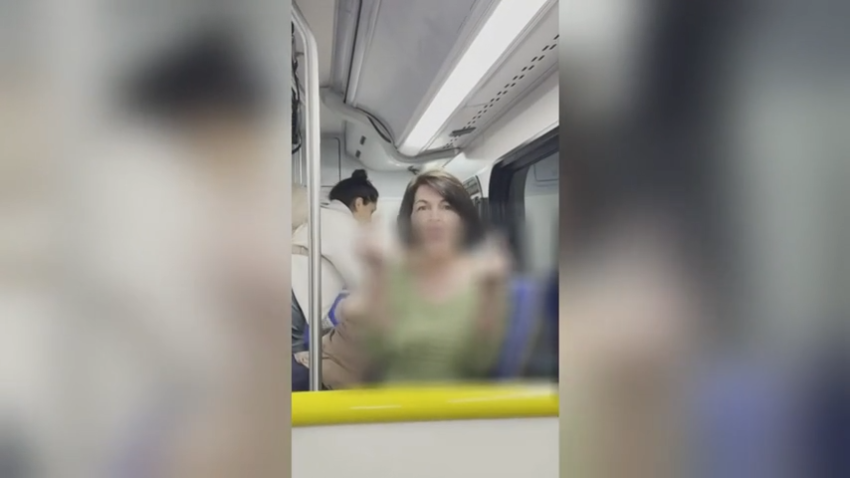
x=507, y=21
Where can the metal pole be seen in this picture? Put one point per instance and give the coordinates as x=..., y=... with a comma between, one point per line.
x=312, y=143
x=296, y=168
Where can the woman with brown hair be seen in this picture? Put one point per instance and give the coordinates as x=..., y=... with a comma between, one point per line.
x=434, y=312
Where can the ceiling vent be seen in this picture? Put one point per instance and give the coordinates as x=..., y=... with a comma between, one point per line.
x=507, y=91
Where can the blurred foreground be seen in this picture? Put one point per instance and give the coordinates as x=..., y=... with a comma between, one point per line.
x=704, y=313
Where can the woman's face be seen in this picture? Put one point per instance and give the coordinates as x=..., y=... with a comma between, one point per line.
x=436, y=226
x=363, y=212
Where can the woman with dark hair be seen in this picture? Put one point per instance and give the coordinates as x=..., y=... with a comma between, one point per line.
x=436, y=311
x=353, y=201
x=357, y=194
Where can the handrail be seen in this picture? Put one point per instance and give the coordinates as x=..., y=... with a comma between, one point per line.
x=312, y=153
x=424, y=404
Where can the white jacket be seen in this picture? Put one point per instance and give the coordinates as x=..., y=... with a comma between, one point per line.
x=341, y=268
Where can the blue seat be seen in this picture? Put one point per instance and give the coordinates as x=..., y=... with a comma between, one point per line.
x=552, y=302
x=523, y=323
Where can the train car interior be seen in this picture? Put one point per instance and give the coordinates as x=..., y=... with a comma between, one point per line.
x=467, y=86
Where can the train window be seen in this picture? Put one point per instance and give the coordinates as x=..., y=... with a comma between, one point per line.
x=473, y=187
x=523, y=203
x=538, y=237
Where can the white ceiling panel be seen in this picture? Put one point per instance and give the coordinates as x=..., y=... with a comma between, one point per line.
x=330, y=123
x=407, y=45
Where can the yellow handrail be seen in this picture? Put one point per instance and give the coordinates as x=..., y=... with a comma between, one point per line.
x=423, y=404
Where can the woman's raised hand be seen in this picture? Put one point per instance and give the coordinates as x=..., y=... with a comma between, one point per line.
x=373, y=248
x=492, y=267
x=493, y=260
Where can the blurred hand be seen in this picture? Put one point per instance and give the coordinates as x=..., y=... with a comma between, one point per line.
x=493, y=261
x=373, y=248
x=491, y=268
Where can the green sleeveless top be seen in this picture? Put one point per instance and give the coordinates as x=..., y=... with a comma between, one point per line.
x=432, y=341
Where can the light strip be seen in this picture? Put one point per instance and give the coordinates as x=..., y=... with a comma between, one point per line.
x=507, y=21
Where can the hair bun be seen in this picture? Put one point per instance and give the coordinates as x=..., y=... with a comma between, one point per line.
x=359, y=174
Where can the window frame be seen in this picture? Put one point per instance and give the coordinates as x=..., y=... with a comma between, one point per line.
x=506, y=208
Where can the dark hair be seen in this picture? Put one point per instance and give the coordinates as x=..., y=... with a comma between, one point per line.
x=357, y=186
x=207, y=74
x=452, y=190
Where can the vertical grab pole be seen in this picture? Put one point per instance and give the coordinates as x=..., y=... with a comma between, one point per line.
x=311, y=153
